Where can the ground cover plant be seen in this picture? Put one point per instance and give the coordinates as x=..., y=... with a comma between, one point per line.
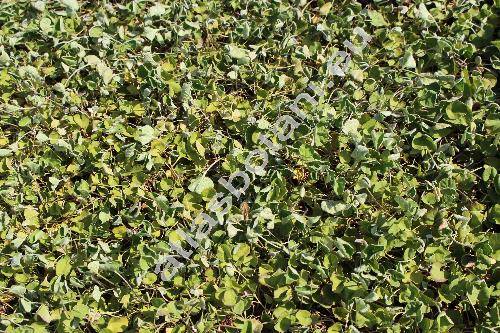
x=378, y=214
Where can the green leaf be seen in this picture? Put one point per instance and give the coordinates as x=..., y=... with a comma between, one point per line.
x=105, y=72
x=247, y=327
x=334, y=207
x=458, y=113
x=436, y=274
x=304, y=317
x=26, y=304
x=25, y=121
x=335, y=280
x=201, y=184
x=240, y=251
x=484, y=295
x=93, y=266
x=423, y=13
x=237, y=52
x=308, y=154
x=423, y=142
x=149, y=278
x=104, y=217
x=359, y=152
x=44, y=313
x=377, y=214
x=145, y=134
x=283, y=324
x=71, y=4
x=351, y=127
x=377, y=19
x=444, y=322
x=81, y=120
x=95, y=32
x=120, y=231
x=173, y=87
x=408, y=61
x=5, y=152
x=92, y=60
x=229, y=298
x=492, y=124
x=345, y=249
x=39, y=5
x=429, y=198
x=157, y=10
x=150, y=33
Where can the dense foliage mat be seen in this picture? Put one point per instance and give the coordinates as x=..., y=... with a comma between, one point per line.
x=379, y=213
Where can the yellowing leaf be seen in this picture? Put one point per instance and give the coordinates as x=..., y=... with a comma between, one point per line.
x=436, y=274
x=105, y=72
x=30, y=216
x=70, y=4
x=44, y=313
x=63, y=266
x=325, y=9
x=120, y=231
x=304, y=317
x=117, y=324
x=377, y=19
x=229, y=297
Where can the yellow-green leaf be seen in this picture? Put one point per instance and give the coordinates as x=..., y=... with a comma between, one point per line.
x=63, y=266
x=117, y=324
